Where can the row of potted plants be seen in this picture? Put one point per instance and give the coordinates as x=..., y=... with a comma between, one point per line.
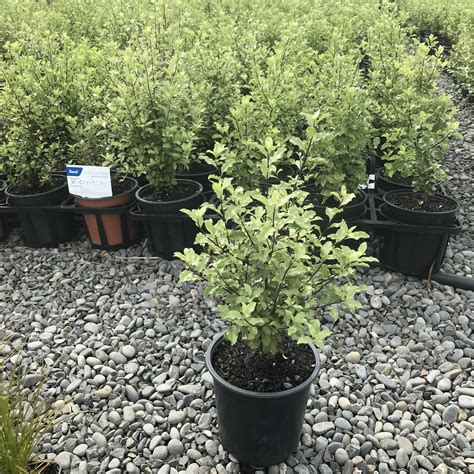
x=453, y=25
x=285, y=134
x=155, y=107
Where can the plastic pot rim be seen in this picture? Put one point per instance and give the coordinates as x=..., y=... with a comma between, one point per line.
x=380, y=173
x=185, y=174
x=259, y=395
x=177, y=201
x=420, y=211
x=45, y=193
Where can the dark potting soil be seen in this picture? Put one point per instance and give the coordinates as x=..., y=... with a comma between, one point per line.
x=199, y=167
x=257, y=372
x=399, y=179
x=180, y=191
x=121, y=186
x=55, y=182
x=319, y=200
x=415, y=202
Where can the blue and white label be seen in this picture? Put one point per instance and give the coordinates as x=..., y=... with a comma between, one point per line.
x=89, y=181
x=74, y=170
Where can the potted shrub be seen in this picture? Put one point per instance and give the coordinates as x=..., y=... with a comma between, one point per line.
x=214, y=61
x=276, y=276
x=150, y=130
x=398, y=110
x=42, y=101
x=22, y=429
x=109, y=225
x=331, y=151
x=418, y=123
x=268, y=111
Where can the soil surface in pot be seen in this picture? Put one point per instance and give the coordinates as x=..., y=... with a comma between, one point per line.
x=175, y=193
x=415, y=202
x=320, y=200
x=121, y=186
x=398, y=178
x=257, y=372
x=55, y=182
x=198, y=167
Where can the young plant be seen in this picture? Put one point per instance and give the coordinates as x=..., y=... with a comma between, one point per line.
x=25, y=417
x=151, y=126
x=417, y=122
x=44, y=101
x=274, y=270
x=270, y=110
x=332, y=151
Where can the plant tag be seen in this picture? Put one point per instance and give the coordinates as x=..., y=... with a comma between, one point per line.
x=89, y=181
x=371, y=181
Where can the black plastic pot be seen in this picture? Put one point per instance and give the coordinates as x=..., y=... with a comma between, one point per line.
x=168, y=230
x=386, y=184
x=413, y=253
x=353, y=210
x=418, y=250
x=259, y=429
x=170, y=207
x=40, y=226
x=200, y=173
x=409, y=216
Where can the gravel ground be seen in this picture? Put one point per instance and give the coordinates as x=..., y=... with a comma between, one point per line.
x=125, y=346
x=460, y=165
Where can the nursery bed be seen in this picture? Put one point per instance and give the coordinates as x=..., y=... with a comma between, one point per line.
x=131, y=346
x=125, y=343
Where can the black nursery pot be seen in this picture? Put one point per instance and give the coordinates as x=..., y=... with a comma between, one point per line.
x=354, y=210
x=169, y=230
x=200, y=173
x=259, y=429
x=386, y=184
x=419, y=217
x=419, y=251
x=44, y=227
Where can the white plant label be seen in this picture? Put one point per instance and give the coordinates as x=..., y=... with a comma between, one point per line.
x=89, y=181
x=371, y=181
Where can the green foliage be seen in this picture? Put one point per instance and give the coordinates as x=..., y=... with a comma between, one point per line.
x=461, y=63
x=453, y=23
x=146, y=87
x=154, y=114
x=25, y=417
x=414, y=120
x=270, y=109
x=274, y=269
x=331, y=153
x=44, y=103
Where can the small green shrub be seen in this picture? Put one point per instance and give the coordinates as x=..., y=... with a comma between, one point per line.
x=273, y=269
x=332, y=151
x=414, y=119
x=44, y=104
x=154, y=114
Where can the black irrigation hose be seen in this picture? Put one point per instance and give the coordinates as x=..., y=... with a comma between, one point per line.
x=461, y=282
x=443, y=278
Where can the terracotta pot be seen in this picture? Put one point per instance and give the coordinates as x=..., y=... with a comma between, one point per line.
x=114, y=223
